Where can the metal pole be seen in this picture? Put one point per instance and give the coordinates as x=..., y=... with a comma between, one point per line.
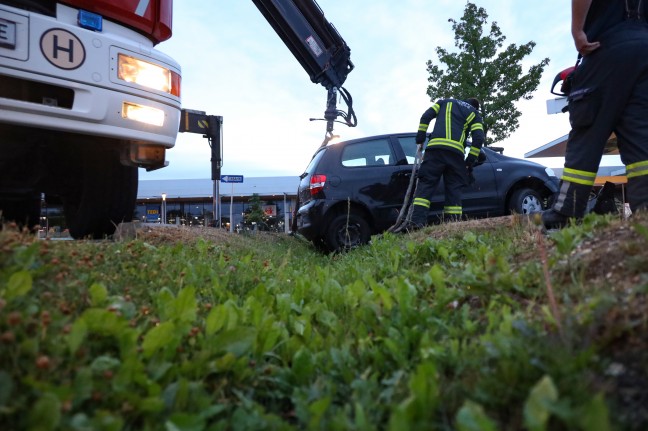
x=216, y=203
x=286, y=219
x=164, y=219
x=231, y=209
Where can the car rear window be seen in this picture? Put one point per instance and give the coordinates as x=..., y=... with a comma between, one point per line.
x=314, y=162
x=376, y=152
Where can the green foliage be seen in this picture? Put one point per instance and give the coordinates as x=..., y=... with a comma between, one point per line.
x=485, y=69
x=255, y=214
x=408, y=332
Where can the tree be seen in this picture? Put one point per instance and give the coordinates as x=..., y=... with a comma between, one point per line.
x=484, y=70
x=255, y=213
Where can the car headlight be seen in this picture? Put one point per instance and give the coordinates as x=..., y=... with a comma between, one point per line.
x=550, y=172
x=146, y=74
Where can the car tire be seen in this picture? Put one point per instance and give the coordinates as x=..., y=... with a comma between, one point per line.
x=346, y=231
x=105, y=196
x=525, y=201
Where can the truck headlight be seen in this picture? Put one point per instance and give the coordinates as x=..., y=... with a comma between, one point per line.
x=143, y=114
x=131, y=69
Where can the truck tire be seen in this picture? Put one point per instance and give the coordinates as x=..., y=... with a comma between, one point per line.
x=525, y=201
x=24, y=210
x=19, y=198
x=104, y=196
x=346, y=231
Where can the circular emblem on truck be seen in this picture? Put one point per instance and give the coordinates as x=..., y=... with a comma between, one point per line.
x=62, y=48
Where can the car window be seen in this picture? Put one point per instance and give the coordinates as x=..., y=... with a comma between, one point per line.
x=408, y=144
x=376, y=152
x=314, y=161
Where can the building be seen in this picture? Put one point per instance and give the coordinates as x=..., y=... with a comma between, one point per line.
x=192, y=202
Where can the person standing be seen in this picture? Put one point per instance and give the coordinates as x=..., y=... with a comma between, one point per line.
x=445, y=156
x=609, y=94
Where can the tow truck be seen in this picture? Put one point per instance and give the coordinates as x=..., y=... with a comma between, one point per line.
x=86, y=100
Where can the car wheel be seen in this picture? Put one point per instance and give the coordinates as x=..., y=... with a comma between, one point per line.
x=346, y=231
x=525, y=201
x=105, y=195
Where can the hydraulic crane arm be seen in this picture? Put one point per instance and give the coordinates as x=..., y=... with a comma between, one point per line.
x=318, y=47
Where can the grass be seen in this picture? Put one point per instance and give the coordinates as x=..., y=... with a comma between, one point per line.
x=467, y=326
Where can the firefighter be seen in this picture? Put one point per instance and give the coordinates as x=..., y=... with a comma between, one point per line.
x=444, y=156
x=609, y=94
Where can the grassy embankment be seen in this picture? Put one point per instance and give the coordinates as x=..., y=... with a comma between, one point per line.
x=457, y=327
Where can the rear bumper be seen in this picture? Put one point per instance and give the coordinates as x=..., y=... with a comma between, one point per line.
x=311, y=219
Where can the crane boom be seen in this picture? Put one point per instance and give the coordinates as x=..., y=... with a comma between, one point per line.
x=318, y=47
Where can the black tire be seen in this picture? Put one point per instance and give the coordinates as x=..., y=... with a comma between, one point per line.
x=346, y=231
x=526, y=201
x=19, y=167
x=24, y=210
x=105, y=195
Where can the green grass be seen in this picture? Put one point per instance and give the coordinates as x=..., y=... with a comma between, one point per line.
x=449, y=328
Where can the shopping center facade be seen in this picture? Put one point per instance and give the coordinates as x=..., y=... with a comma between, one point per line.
x=194, y=202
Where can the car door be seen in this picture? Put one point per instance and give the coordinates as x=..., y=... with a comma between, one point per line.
x=479, y=197
x=369, y=170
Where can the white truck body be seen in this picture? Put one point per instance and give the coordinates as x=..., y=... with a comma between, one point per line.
x=85, y=100
x=57, y=52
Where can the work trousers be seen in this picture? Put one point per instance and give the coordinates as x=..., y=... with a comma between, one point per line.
x=437, y=163
x=609, y=94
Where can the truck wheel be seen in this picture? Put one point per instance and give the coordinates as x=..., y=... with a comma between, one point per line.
x=525, y=201
x=24, y=210
x=105, y=195
x=346, y=231
x=19, y=197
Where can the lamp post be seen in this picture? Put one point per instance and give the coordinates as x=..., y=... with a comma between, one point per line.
x=164, y=208
x=286, y=216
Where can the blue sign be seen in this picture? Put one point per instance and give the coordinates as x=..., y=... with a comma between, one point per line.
x=153, y=213
x=231, y=178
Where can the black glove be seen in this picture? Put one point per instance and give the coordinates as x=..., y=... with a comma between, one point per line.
x=470, y=161
x=420, y=137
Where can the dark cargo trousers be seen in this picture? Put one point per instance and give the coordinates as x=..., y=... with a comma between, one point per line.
x=610, y=94
x=436, y=163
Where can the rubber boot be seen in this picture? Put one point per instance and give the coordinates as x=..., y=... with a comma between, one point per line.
x=419, y=218
x=570, y=204
x=638, y=193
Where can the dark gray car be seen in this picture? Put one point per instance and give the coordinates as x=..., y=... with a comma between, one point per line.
x=354, y=189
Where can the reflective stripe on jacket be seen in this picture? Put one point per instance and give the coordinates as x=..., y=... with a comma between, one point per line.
x=455, y=119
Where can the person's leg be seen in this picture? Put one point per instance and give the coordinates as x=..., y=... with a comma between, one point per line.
x=429, y=175
x=595, y=105
x=632, y=138
x=455, y=178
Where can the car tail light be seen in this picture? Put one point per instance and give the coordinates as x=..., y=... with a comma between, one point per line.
x=317, y=184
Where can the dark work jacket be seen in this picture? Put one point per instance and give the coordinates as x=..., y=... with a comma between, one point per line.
x=456, y=119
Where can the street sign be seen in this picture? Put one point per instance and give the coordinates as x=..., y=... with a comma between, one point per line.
x=231, y=178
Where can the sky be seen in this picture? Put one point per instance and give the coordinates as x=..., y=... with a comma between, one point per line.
x=234, y=65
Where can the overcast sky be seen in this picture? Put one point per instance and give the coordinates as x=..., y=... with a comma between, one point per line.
x=234, y=65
